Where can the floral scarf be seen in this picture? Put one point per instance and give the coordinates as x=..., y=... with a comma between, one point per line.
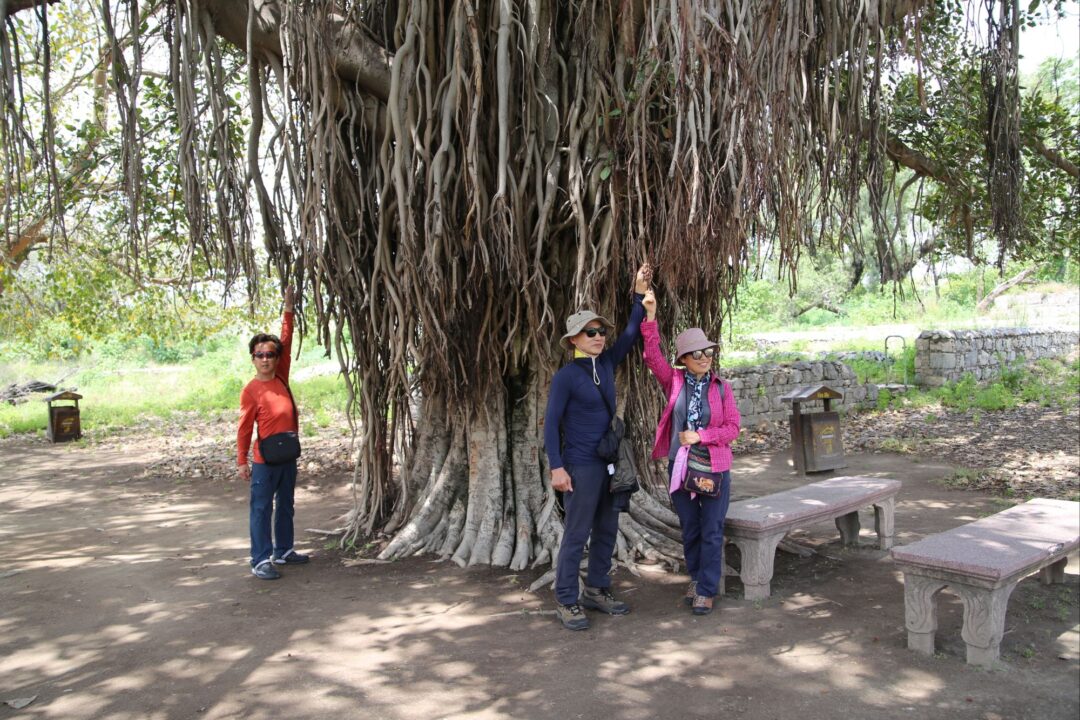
x=695, y=396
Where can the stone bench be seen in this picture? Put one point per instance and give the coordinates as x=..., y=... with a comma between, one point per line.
x=982, y=562
x=756, y=526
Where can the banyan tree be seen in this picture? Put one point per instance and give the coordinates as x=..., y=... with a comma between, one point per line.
x=447, y=181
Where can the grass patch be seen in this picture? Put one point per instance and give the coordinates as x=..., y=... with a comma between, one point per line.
x=119, y=395
x=899, y=445
x=962, y=478
x=1050, y=382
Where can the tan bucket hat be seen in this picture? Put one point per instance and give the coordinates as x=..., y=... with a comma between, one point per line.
x=690, y=340
x=577, y=322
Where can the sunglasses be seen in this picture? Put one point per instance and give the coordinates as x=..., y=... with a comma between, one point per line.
x=593, y=332
x=264, y=355
x=699, y=354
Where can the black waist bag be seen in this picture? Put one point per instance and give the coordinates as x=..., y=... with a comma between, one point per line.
x=280, y=448
x=283, y=447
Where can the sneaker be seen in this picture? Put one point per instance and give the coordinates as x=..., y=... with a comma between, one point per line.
x=691, y=593
x=601, y=599
x=291, y=558
x=571, y=617
x=702, y=605
x=265, y=571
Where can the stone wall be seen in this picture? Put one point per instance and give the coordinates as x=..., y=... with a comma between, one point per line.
x=757, y=389
x=943, y=356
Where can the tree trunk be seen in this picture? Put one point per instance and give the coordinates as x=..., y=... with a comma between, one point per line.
x=987, y=301
x=484, y=496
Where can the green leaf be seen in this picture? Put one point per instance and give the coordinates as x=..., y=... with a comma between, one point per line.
x=605, y=173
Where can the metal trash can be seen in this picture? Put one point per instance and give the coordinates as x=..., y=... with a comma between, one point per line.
x=817, y=444
x=64, y=419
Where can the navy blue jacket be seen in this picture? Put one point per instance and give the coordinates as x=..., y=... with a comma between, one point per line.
x=576, y=413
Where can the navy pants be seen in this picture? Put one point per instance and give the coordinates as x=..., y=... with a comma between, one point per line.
x=702, y=521
x=270, y=483
x=589, y=511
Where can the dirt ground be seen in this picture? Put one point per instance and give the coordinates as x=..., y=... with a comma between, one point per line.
x=127, y=595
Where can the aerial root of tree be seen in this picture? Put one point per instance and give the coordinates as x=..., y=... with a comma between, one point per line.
x=483, y=499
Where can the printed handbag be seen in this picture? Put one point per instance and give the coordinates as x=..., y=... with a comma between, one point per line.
x=703, y=483
x=280, y=448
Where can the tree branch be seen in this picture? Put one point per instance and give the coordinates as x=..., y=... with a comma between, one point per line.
x=1054, y=157
x=987, y=301
x=358, y=59
x=13, y=6
x=923, y=166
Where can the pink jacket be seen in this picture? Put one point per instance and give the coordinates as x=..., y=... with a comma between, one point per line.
x=724, y=417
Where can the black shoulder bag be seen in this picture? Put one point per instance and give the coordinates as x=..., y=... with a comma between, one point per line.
x=612, y=449
x=284, y=447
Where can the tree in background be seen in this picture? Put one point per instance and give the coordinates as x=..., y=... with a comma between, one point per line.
x=448, y=181
x=86, y=253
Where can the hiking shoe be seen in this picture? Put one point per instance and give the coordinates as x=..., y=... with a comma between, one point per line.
x=691, y=593
x=601, y=599
x=291, y=558
x=265, y=571
x=571, y=617
x=702, y=605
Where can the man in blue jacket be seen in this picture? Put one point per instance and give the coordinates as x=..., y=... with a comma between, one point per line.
x=576, y=419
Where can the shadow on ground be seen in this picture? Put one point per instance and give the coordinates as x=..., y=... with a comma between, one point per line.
x=130, y=598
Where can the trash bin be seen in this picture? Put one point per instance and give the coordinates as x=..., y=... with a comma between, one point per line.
x=817, y=444
x=64, y=419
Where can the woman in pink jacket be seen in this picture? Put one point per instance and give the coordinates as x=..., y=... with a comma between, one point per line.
x=695, y=434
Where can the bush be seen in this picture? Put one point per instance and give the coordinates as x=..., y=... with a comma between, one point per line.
x=762, y=304
x=961, y=290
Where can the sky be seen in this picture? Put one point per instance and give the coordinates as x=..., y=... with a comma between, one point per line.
x=1060, y=39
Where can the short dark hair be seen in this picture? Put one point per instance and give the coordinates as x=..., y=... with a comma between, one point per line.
x=264, y=338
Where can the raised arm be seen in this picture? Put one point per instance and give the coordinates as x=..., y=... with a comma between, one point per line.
x=654, y=355
x=285, y=361
x=625, y=342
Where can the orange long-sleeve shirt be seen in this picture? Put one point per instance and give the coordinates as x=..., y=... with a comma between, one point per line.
x=267, y=402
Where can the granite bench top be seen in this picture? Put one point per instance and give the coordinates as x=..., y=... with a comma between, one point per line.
x=1000, y=546
x=817, y=501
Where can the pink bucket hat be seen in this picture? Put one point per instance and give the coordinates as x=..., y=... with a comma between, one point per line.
x=690, y=340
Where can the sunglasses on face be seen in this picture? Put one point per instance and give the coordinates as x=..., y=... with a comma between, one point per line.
x=700, y=354
x=264, y=355
x=593, y=332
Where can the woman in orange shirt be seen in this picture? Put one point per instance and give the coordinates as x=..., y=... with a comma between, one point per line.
x=268, y=402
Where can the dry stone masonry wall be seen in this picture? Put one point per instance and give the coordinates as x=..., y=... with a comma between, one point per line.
x=758, y=388
x=943, y=356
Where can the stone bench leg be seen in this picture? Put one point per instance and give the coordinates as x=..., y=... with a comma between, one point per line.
x=848, y=525
x=1054, y=573
x=984, y=621
x=758, y=556
x=884, y=513
x=920, y=611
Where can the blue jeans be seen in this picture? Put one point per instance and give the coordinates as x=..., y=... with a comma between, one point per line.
x=702, y=520
x=270, y=482
x=589, y=511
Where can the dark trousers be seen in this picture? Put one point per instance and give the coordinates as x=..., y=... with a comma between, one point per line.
x=589, y=511
x=702, y=521
x=270, y=483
